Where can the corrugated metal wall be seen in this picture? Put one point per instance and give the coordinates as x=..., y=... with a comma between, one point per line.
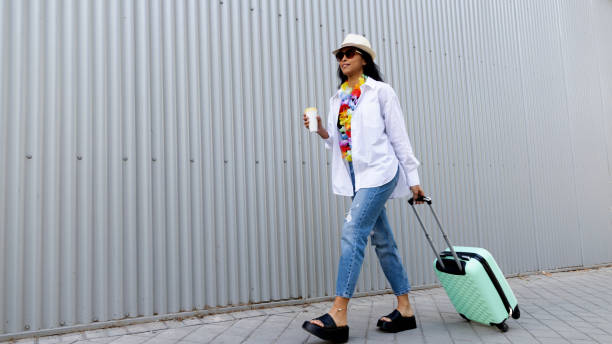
x=153, y=160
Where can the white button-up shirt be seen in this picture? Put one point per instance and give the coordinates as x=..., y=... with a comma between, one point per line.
x=379, y=143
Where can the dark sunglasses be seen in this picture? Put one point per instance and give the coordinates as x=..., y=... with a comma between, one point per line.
x=349, y=53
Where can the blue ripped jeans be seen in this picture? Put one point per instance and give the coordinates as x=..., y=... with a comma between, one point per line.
x=368, y=216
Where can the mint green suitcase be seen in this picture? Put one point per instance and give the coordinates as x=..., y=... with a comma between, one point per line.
x=474, y=283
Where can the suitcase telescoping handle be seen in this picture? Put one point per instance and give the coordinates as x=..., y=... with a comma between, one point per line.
x=428, y=201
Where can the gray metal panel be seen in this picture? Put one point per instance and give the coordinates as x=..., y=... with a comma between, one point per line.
x=153, y=160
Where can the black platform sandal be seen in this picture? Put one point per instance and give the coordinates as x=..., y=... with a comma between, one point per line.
x=331, y=332
x=398, y=322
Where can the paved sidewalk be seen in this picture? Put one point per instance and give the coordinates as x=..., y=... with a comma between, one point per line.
x=565, y=307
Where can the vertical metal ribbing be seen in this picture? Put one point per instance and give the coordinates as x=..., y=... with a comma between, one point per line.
x=563, y=38
x=485, y=168
x=411, y=111
x=128, y=149
x=228, y=146
x=100, y=292
x=279, y=153
x=304, y=215
x=311, y=191
x=208, y=162
x=514, y=100
x=14, y=155
x=521, y=136
x=606, y=82
x=252, y=14
x=528, y=120
x=115, y=158
x=3, y=144
x=32, y=176
x=451, y=119
x=603, y=11
x=67, y=161
x=158, y=188
x=498, y=21
x=218, y=114
x=470, y=85
x=495, y=66
x=285, y=125
x=518, y=18
x=195, y=156
x=83, y=164
x=142, y=157
x=251, y=161
x=475, y=78
x=170, y=158
x=51, y=198
x=295, y=158
x=240, y=168
x=183, y=160
x=259, y=190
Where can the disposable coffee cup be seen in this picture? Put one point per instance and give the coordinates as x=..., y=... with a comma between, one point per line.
x=311, y=112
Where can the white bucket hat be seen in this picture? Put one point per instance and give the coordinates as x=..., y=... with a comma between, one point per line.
x=357, y=41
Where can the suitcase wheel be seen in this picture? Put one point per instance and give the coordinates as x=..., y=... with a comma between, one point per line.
x=516, y=313
x=502, y=326
x=464, y=317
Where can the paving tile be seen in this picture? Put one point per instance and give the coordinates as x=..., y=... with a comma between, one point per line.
x=270, y=329
x=544, y=334
x=521, y=339
x=552, y=341
x=102, y=340
x=130, y=339
x=192, y=321
x=248, y=314
x=69, y=337
x=103, y=333
x=25, y=341
x=277, y=310
x=172, y=335
x=113, y=331
x=50, y=339
x=174, y=323
x=207, y=332
x=217, y=318
x=294, y=333
x=146, y=327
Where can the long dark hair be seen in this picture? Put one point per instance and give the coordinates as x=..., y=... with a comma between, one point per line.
x=370, y=69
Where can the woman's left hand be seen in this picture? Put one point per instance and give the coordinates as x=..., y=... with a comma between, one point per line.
x=417, y=192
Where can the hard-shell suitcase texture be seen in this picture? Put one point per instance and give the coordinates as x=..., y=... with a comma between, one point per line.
x=473, y=281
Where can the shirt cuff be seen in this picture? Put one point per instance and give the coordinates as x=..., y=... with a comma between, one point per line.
x=329, y=142
x=413, y=178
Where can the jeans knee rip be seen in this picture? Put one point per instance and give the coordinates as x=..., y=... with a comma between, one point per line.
x=348, y=217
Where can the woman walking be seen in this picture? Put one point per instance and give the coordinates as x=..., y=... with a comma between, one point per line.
x=372, y=162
